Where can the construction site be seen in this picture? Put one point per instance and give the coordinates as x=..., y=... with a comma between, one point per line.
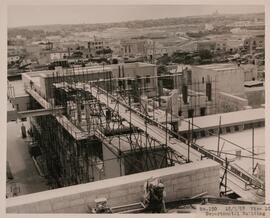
x=100, y=135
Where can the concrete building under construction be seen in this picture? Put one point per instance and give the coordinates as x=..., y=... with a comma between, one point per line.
x=96, y=123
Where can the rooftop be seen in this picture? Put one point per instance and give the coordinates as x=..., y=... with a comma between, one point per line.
x=18, y=87
x=75, y=71
x=254, y=83
x=131, y=65
x=218, y=67
x=85, y=70
x=243, y=139
x=226, y=118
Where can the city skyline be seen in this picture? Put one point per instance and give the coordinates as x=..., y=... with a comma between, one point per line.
x=22, y=16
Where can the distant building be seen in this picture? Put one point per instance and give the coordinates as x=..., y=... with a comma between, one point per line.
x=96, y=45
x=34, y=50
x=16, y=41
x=189, y=47
x=204, y=45
x=233, y=45
x=14, y=50
x=46, y=45
x=250, y=72
x=208, y=27
x=254, y=43
x=238, y=30
x=134, y=47
x=57, y=55
x=221, y=46
x=259, y=25
x=217, y=45
x=55, y=38
x=13, y=59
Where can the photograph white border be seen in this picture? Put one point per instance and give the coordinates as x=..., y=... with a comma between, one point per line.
x=3, y=74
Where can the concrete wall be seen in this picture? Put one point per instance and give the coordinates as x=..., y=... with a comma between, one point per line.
x=134, y=47
x=197, y=103
x=250, y=71
x=230, y=80
x=21, y=102
x=255, y=96
x=113, y=166
x=46, y=81
x=180, y=181
x=228, y=103
x=130, y=70
x=133, y=70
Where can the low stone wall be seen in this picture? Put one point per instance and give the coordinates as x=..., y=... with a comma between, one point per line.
x=180, y=181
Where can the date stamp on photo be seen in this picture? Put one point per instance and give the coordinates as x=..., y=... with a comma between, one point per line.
x=233, y=210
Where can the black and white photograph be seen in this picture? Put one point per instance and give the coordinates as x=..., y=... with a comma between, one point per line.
x=134, y=109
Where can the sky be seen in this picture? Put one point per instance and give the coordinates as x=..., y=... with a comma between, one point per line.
x=86, y=14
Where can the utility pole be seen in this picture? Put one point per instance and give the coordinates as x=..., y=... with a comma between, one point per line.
x=253, y=150
x=153, y=109
x=219, y=130
x=191, y=129
x=171, y=112
x=188, y=160
x=226, y=169
x=129, y=102
x=166, y=140
x=146, y=135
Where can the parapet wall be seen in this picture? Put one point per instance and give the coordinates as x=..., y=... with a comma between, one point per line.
x=180, y=181
x=255, y=96
x=229, y=103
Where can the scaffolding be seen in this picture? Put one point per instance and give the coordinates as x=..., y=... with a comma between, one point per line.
x=71, y=143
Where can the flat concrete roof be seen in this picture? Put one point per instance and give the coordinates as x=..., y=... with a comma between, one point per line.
x=132, y=65
x=226, y=118
x=76, y=71
x=253, y=83
x=217, y=67
x=18, y=88
x=243, y=139
x=91, y=69
x=21, y=163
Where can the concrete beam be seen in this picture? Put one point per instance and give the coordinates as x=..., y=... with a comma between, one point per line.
x=39, y=112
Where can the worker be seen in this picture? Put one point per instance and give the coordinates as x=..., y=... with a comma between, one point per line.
x=101, y=206
x=156, y=199
x=23, y=130
x=101, y=209
x=31, y=84
x=162, y=193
